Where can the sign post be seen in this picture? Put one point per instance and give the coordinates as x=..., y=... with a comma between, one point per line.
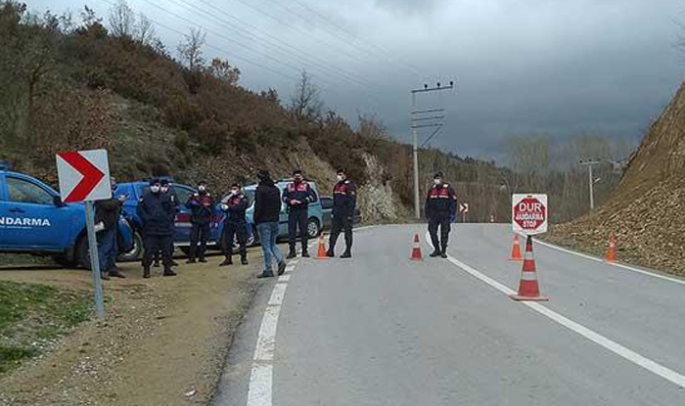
x=84, y=177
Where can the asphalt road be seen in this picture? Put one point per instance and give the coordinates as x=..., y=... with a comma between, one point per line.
x=382, y=330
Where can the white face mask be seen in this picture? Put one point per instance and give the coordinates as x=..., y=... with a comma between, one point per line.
x=154, y=189
x=164, y=189
x=234, y=192
x=437, y=181
x=340, y=178
x=202, y=188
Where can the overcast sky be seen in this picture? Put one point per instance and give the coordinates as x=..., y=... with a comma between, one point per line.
x=556, y=67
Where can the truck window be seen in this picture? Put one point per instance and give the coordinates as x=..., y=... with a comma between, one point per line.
x=22, y=191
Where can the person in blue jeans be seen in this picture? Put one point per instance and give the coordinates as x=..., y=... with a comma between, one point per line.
x=107, y=215
x=267, y=211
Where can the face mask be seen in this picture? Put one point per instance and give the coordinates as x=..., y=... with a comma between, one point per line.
x=235, y=192
x=298, y=179
x=154, y=189
x=437, y=181
x=340, y=178
x=202, y=188
x=164, y=189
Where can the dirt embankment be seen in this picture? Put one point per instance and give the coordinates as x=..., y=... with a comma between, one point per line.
x=163, y=343
x=646, y=212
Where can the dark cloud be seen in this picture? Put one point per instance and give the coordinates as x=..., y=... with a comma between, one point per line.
x=525, y=66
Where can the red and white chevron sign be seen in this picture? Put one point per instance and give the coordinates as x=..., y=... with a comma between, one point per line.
x=83, y=176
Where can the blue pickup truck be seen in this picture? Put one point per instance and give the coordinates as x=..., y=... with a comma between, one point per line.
x=134, y=190
x=34, y=220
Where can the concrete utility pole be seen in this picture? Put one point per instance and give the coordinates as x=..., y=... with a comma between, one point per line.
x=591, y=179
x=419, y=121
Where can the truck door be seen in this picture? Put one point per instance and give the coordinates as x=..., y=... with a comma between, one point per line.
x=29, y=218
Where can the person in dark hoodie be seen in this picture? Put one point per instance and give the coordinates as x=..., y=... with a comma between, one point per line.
x=157, y=211
x=266, y=214
x=107, y=213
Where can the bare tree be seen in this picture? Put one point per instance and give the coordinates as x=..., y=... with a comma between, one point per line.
x=122, y=20
x=306, y=104
x=222, y=70
x=145, y=30
x=190, y=49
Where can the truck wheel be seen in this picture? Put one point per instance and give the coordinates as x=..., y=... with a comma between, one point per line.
x=83, y=253
x=313, y=228
x=136, y=252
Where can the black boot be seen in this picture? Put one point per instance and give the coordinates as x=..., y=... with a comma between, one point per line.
x=169, y=272
x=228, y=261
x=281, y=268
x=443, y=253
x=243, y=261
x=291, y=254
x=346, y=254
x=266, y=274
x=203, y=260
x=436, y=253
x=305, y=253
x=330, y=254
x=146, y=272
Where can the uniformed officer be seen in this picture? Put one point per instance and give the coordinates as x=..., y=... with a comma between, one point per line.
x=157, y=212
x=297, y=196
x=167, y=189
x=201, y=205
x=441, y=210
x=235, y=225
x=344, y=202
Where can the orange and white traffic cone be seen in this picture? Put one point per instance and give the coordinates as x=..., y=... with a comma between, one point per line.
x=322, y=249
x=528, y=287
x=516, y=250
x=416, y=251
x=611, y=252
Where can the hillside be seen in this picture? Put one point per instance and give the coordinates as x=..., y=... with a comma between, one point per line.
x=70, y=86
x=645, y=212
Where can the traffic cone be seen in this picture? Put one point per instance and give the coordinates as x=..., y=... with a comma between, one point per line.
x=528, y=287
x=515, y=250
x=416, y=251
x=611, y=252
x=322, y=249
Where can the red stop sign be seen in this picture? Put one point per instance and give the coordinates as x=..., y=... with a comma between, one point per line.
x=530, y=213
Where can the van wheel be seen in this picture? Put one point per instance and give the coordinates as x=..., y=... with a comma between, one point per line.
x=313, y=228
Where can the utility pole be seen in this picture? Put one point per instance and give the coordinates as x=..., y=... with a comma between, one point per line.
x=591, y=179
x=419, y=120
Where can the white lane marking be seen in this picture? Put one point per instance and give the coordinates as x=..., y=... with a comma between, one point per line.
x=629, y=268
x=277, y=294
x=294, y=262
x=261, y=382
x=616, y=348
x=284, y=278
x=266, y=339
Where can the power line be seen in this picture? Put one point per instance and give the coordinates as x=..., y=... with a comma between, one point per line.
x=223, y=51
x=330, y=22
x=344, y=75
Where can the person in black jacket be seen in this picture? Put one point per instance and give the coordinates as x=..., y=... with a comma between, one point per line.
x=266, y=215
x=157, y=212
x=344, y=202
x=201, y=205
x=107, y=213
x=235, y=225
x=297, y=196
x=441, y=209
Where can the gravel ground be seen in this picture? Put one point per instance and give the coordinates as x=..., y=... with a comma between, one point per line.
x=164, y=340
